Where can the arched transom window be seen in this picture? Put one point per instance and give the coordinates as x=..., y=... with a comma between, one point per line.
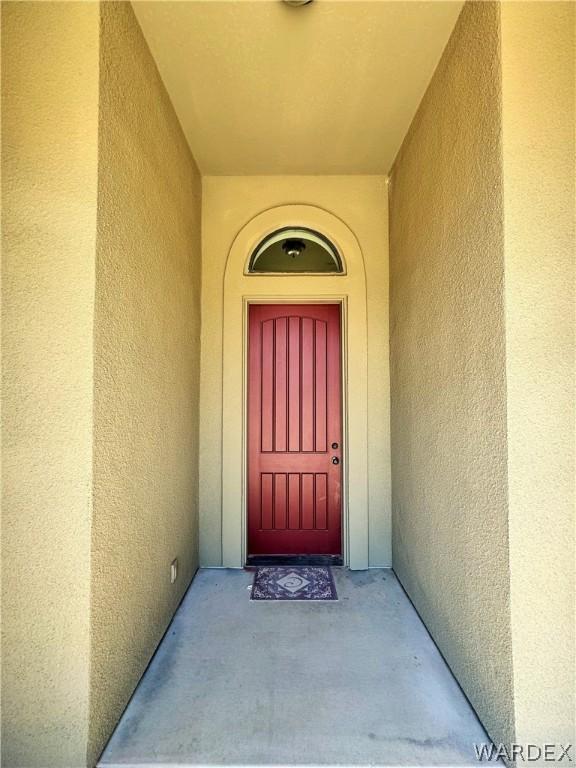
x=295, y=249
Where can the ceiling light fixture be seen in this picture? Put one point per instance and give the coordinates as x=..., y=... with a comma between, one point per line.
x=293, y=247
x=297, y=2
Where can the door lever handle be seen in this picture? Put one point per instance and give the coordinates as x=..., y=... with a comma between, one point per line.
x=335, y=460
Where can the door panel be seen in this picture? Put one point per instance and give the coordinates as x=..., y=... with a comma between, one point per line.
x=294, y=415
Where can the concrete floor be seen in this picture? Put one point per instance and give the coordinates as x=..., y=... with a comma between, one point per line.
x=358, y=682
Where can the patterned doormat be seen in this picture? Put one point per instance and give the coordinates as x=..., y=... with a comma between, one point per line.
x=308, y=582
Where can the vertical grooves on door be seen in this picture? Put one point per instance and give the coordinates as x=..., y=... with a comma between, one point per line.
x=326, y=443
x=288, y=387
x=313, y=385
x=294, y=385
x=267, y=386
x=300, y=427
x=267, y=500
x=287, y=414
x=274, y=525
x=320, y=386
x=274, y=385
x=299, y=374
x=300, y=501
x=280, y=384
x=314, y=502
x=262, y=407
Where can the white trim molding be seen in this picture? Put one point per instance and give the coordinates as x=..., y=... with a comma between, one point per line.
x=349, y=290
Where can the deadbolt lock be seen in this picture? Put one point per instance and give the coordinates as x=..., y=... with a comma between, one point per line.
x=334, y=446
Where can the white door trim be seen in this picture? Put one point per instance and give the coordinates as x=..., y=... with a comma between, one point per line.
x=348, y=289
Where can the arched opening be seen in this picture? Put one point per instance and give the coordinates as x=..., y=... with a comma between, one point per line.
x=295, y=250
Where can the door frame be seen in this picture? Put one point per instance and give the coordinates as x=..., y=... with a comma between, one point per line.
x=289, y=301
x=349, y=290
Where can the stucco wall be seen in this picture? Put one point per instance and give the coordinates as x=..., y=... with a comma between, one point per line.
x=538, y=141
x=101, y=327
x=482, y=258
x=449, y=450
x=147, y=326
x=228, y=204
x=49, y=167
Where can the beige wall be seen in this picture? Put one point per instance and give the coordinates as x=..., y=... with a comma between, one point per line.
x=450, y=517
x=228, y=204
x=538, y=140
x=101, y=303
x=147, y=327
x=482, y=343
x=49, y=175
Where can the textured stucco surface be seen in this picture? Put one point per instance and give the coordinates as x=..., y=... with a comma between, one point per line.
x=306, y=106
x=146, y=378
x=449, y=491
x=538, y=141
x=49, y=167
x=228, y=204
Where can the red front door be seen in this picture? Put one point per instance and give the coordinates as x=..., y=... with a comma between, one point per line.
x=294, y=430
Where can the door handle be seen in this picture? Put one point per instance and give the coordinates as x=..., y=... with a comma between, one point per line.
x=335, y=460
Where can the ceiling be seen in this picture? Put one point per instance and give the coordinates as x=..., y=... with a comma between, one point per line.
x=261, y=87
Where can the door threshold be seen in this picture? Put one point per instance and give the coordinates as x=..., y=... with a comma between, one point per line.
x=294, y=560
